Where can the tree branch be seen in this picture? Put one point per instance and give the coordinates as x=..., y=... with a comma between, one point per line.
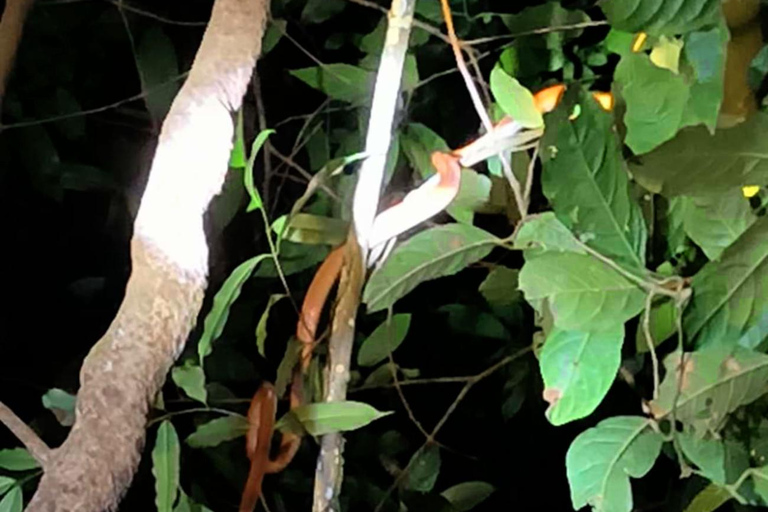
x=28, y=437
x=125, y=370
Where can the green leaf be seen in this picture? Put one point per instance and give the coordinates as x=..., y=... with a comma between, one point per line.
x=61, y=404
x=256, y=201
x=323, y=418
x=191, y=379
x=760, y=480
x=473, y=322
x=216, y=318
x=418, y=142
x=515, y=100
x=586, y=182
x=158, y=67
x=339, y=81
x=728, y=294
x=707, y=454
x=657, y=17
x=305, y=228
x=499, y=288
x=715, y=221
x=12, y=502
x=714, y=384
x=697, y=163
x=711, y=498
x=578, y=368
x=432, y=253
x=424, y=468
x=663, y=324
x=660, y=101
x=6, y=483
x=261, y=326
x=17, y=459
x=237, y=158
x=545, y=231
x=582, y=292
x=601, y=460
x=318, y=11
x=218, y=431
x=383, y=340
x=467, y=495
x=272, y=36
x=474, y=193
x=165, y=466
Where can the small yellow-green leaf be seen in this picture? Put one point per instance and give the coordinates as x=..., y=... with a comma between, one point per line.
x=516, y=101
x=165, y=466
x=61, y=404
x=305, y=228
x=323, y=418
x=261, y=326
x=217, y=431
x=467, y=495
x=383, y=340
x=711, y=498
x=256, y=202
x=191, y=378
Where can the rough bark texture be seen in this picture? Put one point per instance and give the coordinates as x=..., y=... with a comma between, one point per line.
x=126, y=368
x=11, y=26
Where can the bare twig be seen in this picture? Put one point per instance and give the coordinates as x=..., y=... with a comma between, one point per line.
x=649, y=339
x=480, y=108
x=28, y=437
x=451, y=408
x=261, y=113
x=156, y=17
x=11, y=27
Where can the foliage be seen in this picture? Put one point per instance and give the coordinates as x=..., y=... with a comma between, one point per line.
x=627, y=301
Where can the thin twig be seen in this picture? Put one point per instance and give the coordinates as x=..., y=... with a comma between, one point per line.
x=479, y=107
x=28, y=437
x=261, y=114
x=462, y=394
x=156, y=17
x=537, y=31
x=649, y=339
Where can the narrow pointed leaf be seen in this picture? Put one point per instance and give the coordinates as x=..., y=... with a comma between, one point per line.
x=191, y=379
x=17, y=459
x=383, y=340
x=323, y=418
x=165, y=466
x=12, y=502
x=218, y=431
x=711, y=498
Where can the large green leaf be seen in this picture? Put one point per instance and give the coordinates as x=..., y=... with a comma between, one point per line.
x=601, y=460
x=585, y=180
x=217, y=431
x=515, y=100
x=729, y=295
x=696, y=162
x=433, y=253
x=711, y=498
x=165, y=466
x=339, y=81
x=582, y=292
x=216, y=318
x=323, y=418
x=383, y=340
x=661, y=16
x=715, y=221
x=578, y=369
x=714, y=384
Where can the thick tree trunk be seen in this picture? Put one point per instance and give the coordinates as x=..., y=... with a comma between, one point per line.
x=126, y=368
